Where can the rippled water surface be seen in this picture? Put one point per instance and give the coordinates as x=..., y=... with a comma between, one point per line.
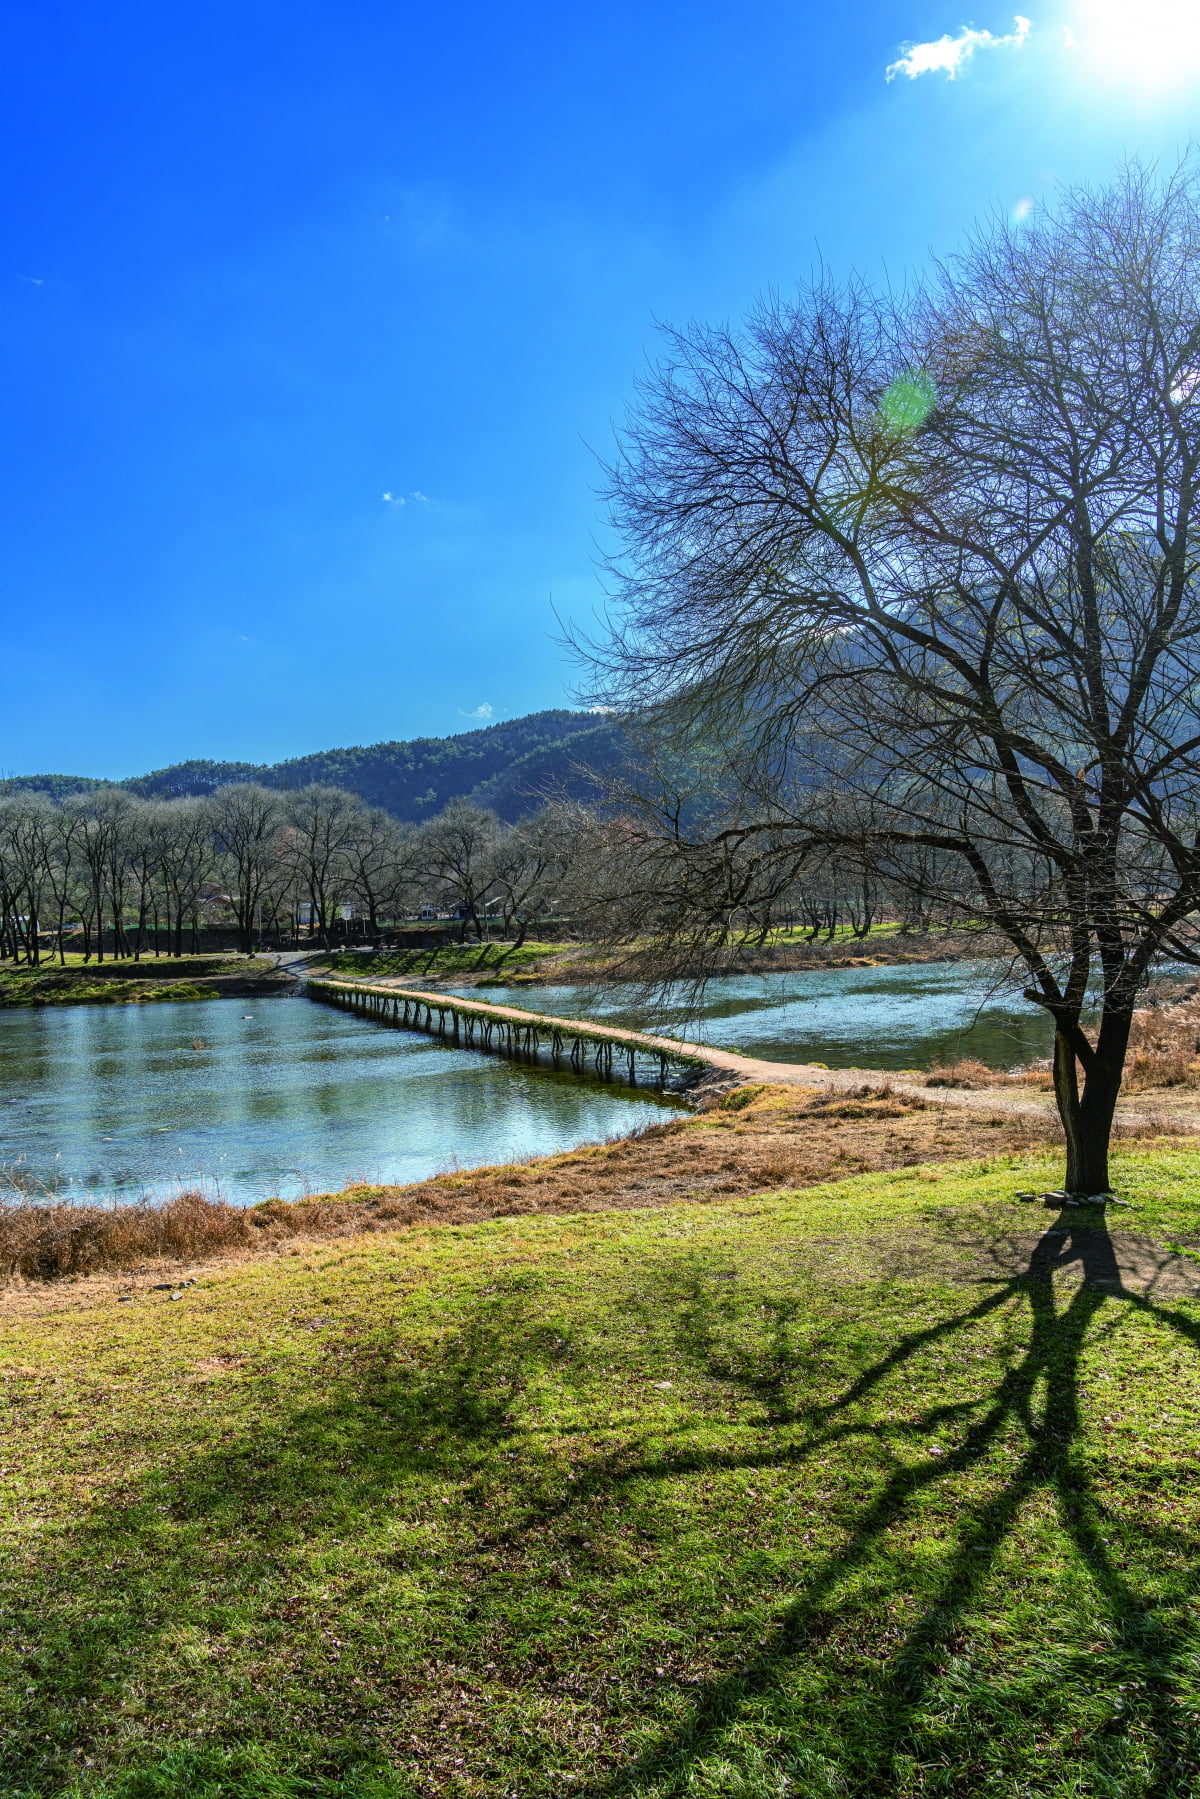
x=911, y=1016
x=274, y=1096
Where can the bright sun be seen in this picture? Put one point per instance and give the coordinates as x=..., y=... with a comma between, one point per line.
x=1149, y=43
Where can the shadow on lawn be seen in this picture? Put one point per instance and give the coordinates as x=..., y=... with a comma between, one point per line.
x=215, y=1548
x=200, y=1542
x=1041, y=1394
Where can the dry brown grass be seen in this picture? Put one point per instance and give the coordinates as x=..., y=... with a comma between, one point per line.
x=752, y=1141
x=47, y=1242
x=1164, y=1043
x=969, y=1072
x=1164, y=1050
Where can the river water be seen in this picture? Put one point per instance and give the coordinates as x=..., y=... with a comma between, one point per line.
x=910, y=1016
x=251, y=1099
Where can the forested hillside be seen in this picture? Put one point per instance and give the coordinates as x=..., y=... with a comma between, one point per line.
x=508, y=766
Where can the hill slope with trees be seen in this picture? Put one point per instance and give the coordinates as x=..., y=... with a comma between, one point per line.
x=509, y=767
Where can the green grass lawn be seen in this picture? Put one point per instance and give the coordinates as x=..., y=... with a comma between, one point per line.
x=816, y=1494
x=121, y=982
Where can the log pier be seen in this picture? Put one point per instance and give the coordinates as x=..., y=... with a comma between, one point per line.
x=602, y=1052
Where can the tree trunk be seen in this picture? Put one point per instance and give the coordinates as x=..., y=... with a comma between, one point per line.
x=1087, y=1118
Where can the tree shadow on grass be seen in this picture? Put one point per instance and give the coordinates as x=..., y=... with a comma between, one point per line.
x=197, y=1547
x=1154, y=1652
x=202, y=1554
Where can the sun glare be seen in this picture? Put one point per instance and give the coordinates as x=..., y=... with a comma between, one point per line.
x=1148, y=43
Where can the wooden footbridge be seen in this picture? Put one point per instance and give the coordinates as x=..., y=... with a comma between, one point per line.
x=606, y=1052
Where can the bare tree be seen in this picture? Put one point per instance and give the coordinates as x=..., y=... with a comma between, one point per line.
x=186, y=863
x=143, y=847
x=455, y=855
x=124, y=869
x=61, y=872
x=320, y=828
x=26, y=850
x=923, y=571
x=529, y=863
x=379, y=853
x=246, y=820
x=100, y=820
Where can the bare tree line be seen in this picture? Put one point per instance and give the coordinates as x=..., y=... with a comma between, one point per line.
x=110, y=874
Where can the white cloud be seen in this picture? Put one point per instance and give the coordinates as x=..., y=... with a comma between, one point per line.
x=484, y=711
x=950, y=54
x=418, y=495
x=394, y=499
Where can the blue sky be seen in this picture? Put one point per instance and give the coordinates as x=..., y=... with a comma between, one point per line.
x=265, y=266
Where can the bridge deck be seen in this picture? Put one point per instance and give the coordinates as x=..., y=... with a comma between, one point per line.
x=742, y=1069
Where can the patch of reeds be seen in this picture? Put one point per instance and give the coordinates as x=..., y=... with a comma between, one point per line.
x=48, y=1240
x=1164, y=1050
x=969, y=1072
x=1164, y=1045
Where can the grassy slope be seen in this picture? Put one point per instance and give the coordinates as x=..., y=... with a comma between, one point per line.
x=118, y=983
x=787, y=1496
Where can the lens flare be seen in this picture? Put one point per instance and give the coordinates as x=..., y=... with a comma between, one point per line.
x=907, y=403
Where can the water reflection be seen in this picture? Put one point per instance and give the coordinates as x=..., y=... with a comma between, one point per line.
x=287, y=1098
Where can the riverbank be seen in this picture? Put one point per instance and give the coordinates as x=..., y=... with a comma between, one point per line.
x=490, y=961
x=749, y=1140
x=789, y=952
x=150, y=980
x=813, y=1492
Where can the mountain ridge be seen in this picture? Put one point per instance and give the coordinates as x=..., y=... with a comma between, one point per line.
x=508, y=766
